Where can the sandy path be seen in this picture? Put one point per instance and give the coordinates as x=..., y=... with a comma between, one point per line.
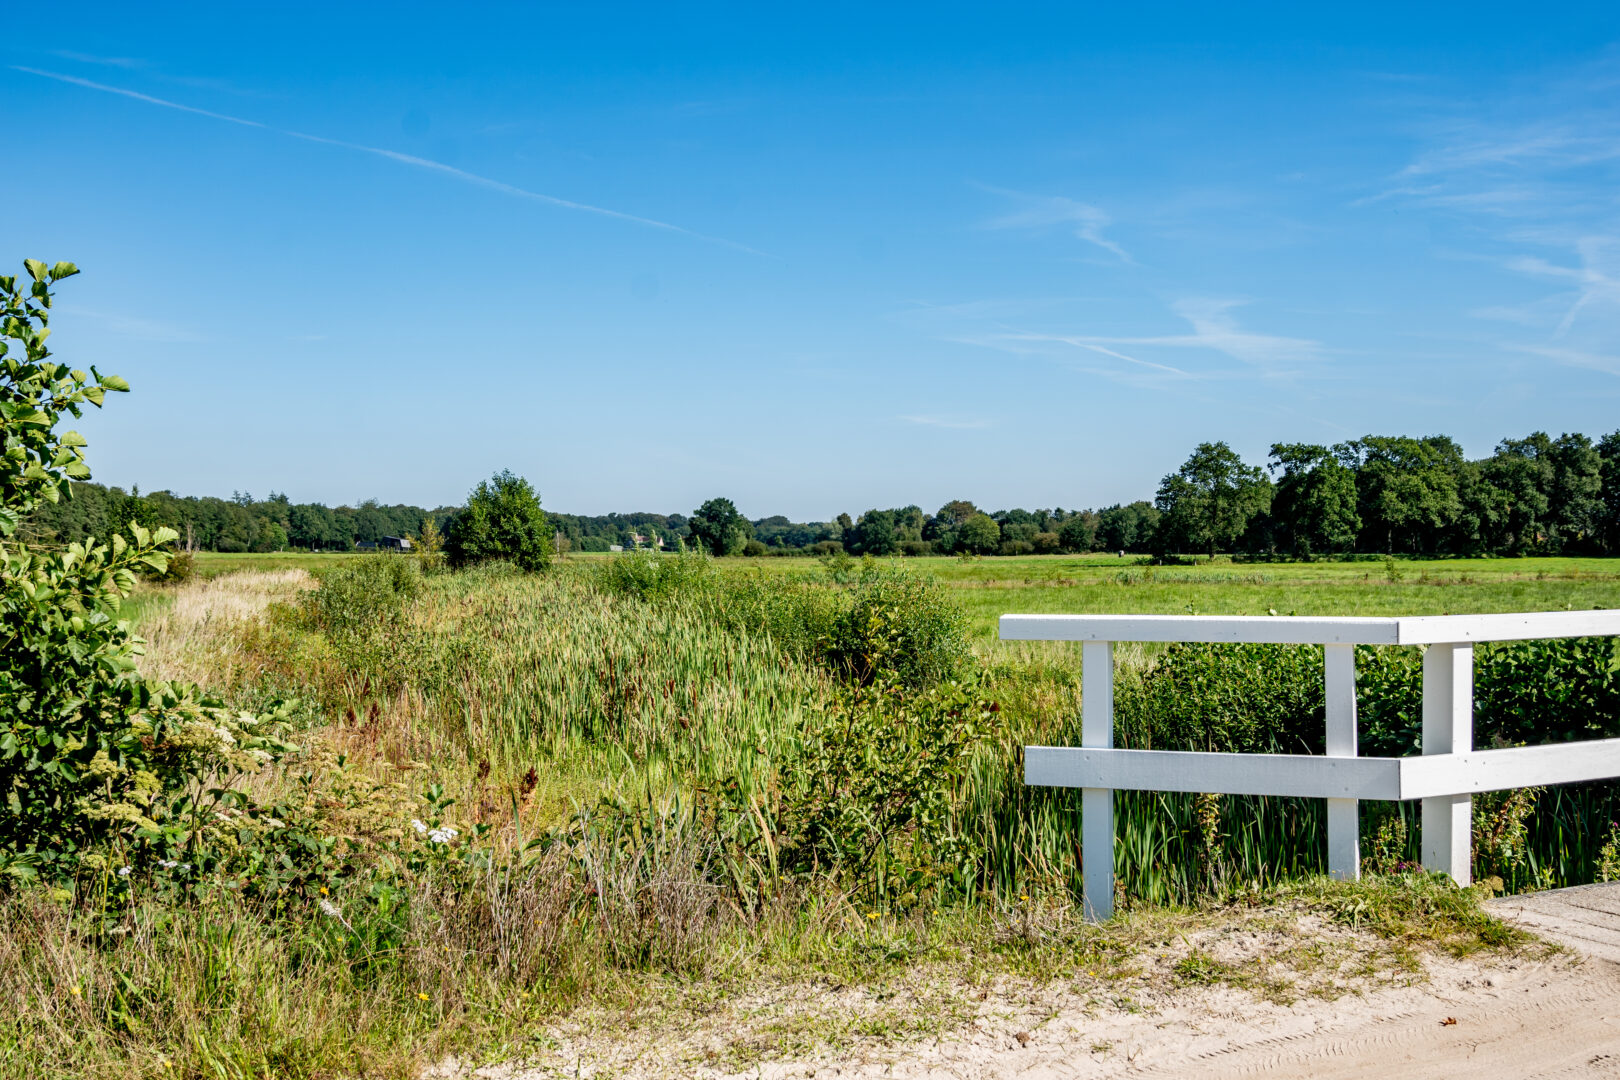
x=1509, y=1020
x=1562, y=1023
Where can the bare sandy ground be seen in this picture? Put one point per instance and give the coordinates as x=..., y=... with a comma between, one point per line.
x=1508, y=1019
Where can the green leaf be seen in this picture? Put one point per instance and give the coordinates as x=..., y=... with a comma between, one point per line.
x=62, y=270
x=115, y=382
x=35, y=268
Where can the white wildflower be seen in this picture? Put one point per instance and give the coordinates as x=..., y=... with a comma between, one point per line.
x=336, y=912
x=275, y=823
x=442, y=835
x=418, y=826
x=167, y=864
x=123, y=871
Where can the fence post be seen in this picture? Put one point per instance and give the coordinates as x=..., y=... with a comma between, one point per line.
x=1097, y=804
x=1343, y=815
x=1448, y=728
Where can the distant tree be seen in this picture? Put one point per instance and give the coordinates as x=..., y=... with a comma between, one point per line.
x=1079, y=533
x=979, y=534
x=309, y=525
x=271, y=537
x=1314, y=508
x=1048, y=543
x=718, y=528
x=1408, y=491
x=502, y=520
x=1130, y=527
x=1211, y=499
x=943, y=527
x=956, y=513
x=908, y=523
x=1575, y=500
x=875, y=534
x=1513, y=518
x=1608, y=449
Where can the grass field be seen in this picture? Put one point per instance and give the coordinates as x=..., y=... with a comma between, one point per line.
x=626, y=773
x=1102, y=584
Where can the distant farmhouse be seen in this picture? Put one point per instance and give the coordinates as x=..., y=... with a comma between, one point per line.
x=387, y=543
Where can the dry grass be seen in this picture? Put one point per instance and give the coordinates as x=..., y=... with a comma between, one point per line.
x=194, y=638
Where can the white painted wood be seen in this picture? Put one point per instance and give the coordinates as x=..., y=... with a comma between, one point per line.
x=1245, y=628
x=1096, y=801
x=1310, y=776
x=1307, y=630
x=1343, y=815
x=1518, y=626
x=1444, y=777
x=1448, y=728
x=1434, y=775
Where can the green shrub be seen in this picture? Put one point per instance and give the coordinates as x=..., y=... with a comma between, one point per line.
x=361, y=598
x=97, y=766
x=1225, y=698
x=1525, y=693
x=502, y=521
x=897, y=626
x=875, y=775
x=649, y=576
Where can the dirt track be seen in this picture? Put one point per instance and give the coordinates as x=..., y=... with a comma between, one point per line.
x=1555, y=1017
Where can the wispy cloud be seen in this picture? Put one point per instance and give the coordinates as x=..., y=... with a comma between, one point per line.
x=74, y=80
x=1606, y=363
x=1595, y=285
x=136, y=328
x=1214, y=328
x=1046, y=211
x=395, y=156
x=128, y=63
x=954, y=422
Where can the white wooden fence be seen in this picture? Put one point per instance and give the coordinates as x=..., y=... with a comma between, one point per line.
x=1445, y=776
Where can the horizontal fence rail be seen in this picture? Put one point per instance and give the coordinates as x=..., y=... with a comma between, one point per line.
x=1444, y=777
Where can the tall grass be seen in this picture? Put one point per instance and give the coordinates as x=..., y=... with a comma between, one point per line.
x=651, y=679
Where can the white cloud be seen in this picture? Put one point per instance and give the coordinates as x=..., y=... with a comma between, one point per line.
x=1044, y=211
x=958, y=423
x=1608, y=364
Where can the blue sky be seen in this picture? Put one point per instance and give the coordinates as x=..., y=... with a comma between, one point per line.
x=817, y=260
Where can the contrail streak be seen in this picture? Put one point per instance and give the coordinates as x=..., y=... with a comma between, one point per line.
x=396, y=156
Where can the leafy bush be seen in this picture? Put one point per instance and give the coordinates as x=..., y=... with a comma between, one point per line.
x=1525, y=692
x=502, y=521
x=897, y=626
x=649, y=576
x=877, y=773
x=1269, y=698
x=96, y=765
x=1225, y=698
x=362, y=597
x=361, y=609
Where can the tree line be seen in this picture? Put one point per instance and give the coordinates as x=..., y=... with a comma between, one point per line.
x=1374, y=495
